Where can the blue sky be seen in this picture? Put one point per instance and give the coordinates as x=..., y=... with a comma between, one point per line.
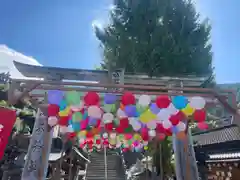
x=59, y=32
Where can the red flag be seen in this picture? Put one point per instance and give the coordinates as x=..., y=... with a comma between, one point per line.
x=7, y=120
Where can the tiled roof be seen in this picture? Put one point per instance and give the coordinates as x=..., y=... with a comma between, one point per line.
x=218, y=135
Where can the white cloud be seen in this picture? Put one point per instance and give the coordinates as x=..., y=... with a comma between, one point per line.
x=200, y=9
x=111, y=7
x=98, y=24
x=102, y=15
x=7, y=56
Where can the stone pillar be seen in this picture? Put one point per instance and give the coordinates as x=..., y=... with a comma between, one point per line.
x=37, y=157
x=183, y=159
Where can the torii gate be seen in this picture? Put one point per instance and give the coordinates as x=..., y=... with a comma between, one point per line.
x=35, y=164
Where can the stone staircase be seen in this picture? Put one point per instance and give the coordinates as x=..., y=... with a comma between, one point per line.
x=96, y=168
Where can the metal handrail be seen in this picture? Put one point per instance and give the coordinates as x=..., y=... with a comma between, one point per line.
x=87, y=166
x=124, y=164
x=81, y=155
x=105, y=162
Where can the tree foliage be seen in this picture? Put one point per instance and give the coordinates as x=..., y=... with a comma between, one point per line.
x=156, y=37
x=166, y=150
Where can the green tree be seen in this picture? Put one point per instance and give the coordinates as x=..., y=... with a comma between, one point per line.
x=165, y=147
x=157, y=37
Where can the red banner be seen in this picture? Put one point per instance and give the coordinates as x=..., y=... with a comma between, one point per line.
x=7, y=120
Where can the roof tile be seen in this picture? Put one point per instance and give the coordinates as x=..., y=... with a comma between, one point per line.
x=219, y=135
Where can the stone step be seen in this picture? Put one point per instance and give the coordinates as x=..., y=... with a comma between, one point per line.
x=112, y=172
x=103, y=164
x=97, y=175
x=102, y=175
x=102, y=155
x=98, y=172
x=101, y=171
x=102, y=167
x=111, y=159
x=99, y=160
x=100, y=178
x=102, y=160
x=103, y=178
x=109, y=177
x=98, y=155
x=96, y=169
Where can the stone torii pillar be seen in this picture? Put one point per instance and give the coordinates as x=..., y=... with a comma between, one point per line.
x=185, y=160
x=37, y=158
